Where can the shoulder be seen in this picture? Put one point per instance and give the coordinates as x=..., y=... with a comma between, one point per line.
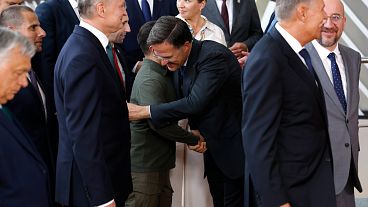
x=347, y=50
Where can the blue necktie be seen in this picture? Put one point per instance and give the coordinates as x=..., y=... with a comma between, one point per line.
x=146, y=10
x=304, y=53
x=337, y=80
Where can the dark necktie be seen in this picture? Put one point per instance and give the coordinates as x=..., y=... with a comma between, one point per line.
x=34, y=83
x=337, y=81
x=225, y=15
x=7, y=113
x=146, y=10
x=111, y=53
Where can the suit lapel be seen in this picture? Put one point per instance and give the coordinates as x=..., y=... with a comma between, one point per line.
x=190, y=71
x=349, y=76
x=156, y=9
x=323, y=77
x=137, y=8
x=300, y=68
x=215, y=13
x=236, y=11
x=15, y=128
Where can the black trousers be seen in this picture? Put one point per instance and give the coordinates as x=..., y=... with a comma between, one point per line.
x=226, y=192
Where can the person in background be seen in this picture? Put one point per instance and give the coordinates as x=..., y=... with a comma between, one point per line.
x=338, y=68
x=23, y=175
x=240, y=22
x=200, y=27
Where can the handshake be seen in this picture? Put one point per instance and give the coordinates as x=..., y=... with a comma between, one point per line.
x=201, y=146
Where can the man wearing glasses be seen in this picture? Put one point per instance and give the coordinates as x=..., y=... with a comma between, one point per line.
x=338, y=69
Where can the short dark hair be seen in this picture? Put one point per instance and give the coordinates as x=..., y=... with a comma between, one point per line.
x=142, y=36
x=13, y=15
x=169, y=29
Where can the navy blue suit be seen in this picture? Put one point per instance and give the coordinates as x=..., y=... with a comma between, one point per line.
x=58, y=19
x=284, y=129
x=23, y=175
x=136, y=20
x=93, y=165
x=28, y=108
x=211, y=99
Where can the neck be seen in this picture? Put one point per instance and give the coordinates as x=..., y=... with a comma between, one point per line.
x=95, y=23
x=294, y=28
x=196, y=23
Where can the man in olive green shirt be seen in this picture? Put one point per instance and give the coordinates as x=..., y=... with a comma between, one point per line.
x=153, y=150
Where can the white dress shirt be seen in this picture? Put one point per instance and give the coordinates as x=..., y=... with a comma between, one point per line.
x=230, y=11
x=150, y=3
x=104, y=41
x=74, y=5
x=294, y=43
x=323, y=53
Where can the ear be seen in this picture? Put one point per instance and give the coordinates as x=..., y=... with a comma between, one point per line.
x=302, y=12
x=203, y=4
x=100, y=9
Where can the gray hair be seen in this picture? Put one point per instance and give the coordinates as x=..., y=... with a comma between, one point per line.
x=285, y=8
x=10, y=40
x=13, y=15
x=86, y=7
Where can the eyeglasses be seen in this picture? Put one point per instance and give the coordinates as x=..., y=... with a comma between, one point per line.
x=335, y=18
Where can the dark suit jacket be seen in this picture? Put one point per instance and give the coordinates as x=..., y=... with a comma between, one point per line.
x=129, y=75
x=284, y=128
x=212, y=101
x=136, y=20
x=58, y=19
x=246, y=24
x=23, y=175
x=28, y=108
x=94, y=146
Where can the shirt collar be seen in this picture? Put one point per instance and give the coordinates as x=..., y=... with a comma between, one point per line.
x=324, y=52
x=294, y=43
x=100, y=36
x=73, y=3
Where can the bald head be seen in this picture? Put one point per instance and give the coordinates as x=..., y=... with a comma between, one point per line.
x=334, y=26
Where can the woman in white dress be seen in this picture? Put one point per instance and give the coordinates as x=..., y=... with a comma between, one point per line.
x=188, y=177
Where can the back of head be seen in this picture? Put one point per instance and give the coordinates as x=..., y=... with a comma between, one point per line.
x=86, y=7
x=13, y=15
x=285, y=8
x=171, y=30
x=142, y=36
x=9, y=40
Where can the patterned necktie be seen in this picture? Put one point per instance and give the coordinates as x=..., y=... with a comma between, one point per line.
x=146, y=10
x=225, y=15
x=337, y=81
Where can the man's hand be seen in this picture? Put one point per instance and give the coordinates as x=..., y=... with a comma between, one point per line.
x=238, y=48
x=201, y=147
x=137, y=112
x=244, y=59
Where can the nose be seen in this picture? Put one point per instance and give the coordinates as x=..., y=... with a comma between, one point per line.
x=328, y=23
x=41, y=33
x=164, y=62
x=128, y=28
x=179, y=3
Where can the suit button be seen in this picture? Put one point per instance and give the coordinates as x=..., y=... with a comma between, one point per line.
x=347, y=144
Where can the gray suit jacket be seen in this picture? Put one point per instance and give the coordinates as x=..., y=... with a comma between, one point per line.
x=246, y=24
x=343, y=129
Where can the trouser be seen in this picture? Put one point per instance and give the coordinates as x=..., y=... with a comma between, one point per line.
x=226, y=192
x=150, y=189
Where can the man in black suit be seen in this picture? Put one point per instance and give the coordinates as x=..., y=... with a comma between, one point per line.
x=23, y=175
x=31, y=105
x=93, y=165
x=57, y=18
x=208, y=84
x=137, y=18
x=284, y=125
x=242, y=27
